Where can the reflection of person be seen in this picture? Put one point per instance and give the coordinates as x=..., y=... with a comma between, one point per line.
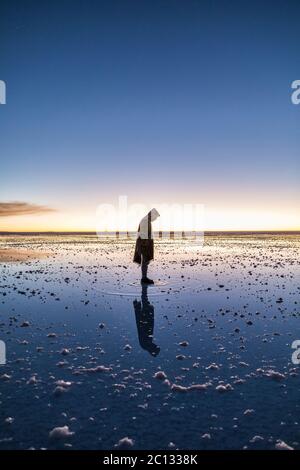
x=144, y=247
x=144, y=315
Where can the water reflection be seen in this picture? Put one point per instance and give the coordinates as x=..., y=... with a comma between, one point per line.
x=144, y=316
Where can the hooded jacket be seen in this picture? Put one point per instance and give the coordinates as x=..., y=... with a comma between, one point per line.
x=144, y=245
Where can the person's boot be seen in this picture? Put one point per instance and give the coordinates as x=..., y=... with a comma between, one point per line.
x=146, y=280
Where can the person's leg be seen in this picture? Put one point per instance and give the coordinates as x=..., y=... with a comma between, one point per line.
x=144, y=267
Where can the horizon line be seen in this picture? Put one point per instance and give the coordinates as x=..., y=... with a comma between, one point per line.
x=94, y=232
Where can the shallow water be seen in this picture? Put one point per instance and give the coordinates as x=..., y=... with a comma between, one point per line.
x=222, y=314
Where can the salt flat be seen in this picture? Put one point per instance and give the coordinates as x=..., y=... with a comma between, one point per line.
x=201, y=360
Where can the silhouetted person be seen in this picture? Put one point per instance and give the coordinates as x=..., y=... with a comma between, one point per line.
x=144, y=247
x=144, y=316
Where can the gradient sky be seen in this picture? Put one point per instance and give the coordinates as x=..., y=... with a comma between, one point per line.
x=162, y=100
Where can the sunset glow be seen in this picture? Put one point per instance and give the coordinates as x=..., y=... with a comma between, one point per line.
x=214, y=219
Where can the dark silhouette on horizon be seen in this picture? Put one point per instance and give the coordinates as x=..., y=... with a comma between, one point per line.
x=144, y=247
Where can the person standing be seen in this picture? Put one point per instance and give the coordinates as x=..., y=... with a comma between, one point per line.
x=144, y=246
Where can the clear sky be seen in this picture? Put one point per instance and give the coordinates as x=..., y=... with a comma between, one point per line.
x=163, y=101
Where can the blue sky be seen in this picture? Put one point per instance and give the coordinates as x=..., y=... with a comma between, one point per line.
x=184, y=100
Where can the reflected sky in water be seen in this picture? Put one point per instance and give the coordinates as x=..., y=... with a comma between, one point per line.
x=200, y=360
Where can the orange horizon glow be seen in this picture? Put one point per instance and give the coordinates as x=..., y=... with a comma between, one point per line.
x=214, y=220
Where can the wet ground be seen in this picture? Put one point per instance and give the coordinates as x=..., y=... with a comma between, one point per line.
x=201, y=360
